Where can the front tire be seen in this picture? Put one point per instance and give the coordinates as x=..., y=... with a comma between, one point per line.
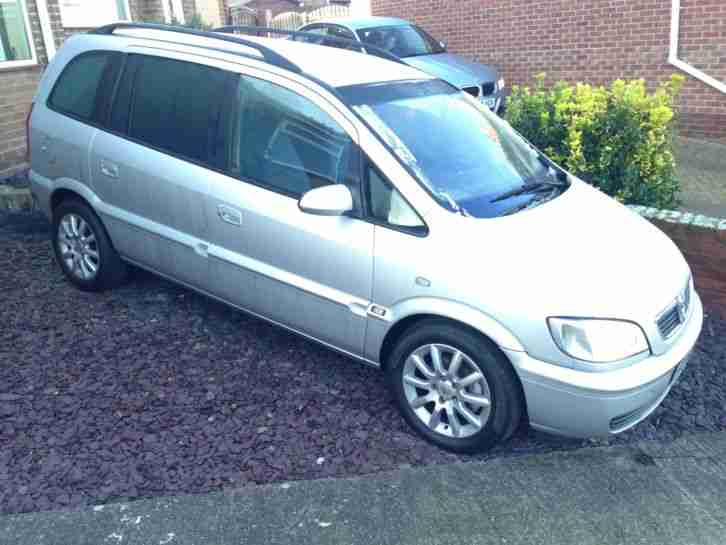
x=454, y=387
x=83, y=249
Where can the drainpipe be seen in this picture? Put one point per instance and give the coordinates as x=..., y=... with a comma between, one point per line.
x=45, y=28
x=682, y=65
x=167, y=11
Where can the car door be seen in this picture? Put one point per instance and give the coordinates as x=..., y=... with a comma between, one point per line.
x=311, y=273
x=153, y=167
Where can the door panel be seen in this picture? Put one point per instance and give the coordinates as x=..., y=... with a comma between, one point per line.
x=311, y=273
x=156, y=215
x=308, y=272
x=153, y=173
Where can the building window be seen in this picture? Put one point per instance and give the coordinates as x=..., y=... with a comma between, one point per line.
x=16, y=43
x=93, y=13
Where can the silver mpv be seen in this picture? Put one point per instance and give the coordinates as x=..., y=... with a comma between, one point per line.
x=372, y=208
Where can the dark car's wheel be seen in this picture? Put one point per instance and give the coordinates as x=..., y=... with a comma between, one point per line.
x=454, y=387
x=83, y=249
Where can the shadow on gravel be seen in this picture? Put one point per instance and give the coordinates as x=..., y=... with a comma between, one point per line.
x=23, y=223
x=153, y=390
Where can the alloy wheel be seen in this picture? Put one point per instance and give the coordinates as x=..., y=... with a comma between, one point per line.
x=446, y=390
x=78, y=247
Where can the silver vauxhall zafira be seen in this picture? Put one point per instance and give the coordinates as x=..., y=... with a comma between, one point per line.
x=368, y=206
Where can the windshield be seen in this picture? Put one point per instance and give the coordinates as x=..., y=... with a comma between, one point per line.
x=402, y=41
x=463, y=154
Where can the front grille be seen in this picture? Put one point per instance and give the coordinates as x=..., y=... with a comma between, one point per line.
x=473, y=91
x=487, y=88
x=675, y=316
x=669, y=322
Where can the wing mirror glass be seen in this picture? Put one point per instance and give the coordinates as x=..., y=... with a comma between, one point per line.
x=329, y=200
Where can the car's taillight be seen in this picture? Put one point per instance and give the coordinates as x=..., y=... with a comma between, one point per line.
x=27, y=133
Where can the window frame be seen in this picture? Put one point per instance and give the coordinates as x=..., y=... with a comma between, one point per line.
x=33, y=60
x=104, y=86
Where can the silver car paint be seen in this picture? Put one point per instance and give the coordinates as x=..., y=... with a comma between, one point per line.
x=582, y=254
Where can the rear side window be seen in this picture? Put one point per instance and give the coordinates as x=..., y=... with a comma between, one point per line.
x=83, y=89
x=176, y=107
x=343, y=33
x=285, y=142
x=321, y=31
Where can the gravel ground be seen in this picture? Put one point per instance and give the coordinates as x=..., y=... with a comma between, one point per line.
x=153, y=390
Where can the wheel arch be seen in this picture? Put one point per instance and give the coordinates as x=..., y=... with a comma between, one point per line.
x=71, y=189
x=411, y=311
x=61, y=195
x=495, y=335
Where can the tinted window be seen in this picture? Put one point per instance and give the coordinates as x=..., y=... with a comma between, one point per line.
x=79, y=91
x=176, y=107
x=285, y=142
x=402, y=41
x=320, y=31
x=340, y=32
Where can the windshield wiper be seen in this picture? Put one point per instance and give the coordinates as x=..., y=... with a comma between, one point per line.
x=536, y=186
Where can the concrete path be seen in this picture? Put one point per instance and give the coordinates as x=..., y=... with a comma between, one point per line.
x=702, y=171
x=649, y=494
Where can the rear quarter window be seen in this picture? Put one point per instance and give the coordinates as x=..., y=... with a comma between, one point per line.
x=84, y=85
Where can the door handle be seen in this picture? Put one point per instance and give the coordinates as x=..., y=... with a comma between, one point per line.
x=229, y=215
x=109, y=169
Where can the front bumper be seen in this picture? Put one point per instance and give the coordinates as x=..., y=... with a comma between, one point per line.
x=586, y=404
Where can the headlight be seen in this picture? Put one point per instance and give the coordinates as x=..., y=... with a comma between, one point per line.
x=500, y=84
x=598, y=341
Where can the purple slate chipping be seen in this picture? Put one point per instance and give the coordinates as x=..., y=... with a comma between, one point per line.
x=152, y=390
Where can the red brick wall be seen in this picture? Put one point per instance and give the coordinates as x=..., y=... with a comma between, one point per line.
x=17, y=86
x=586, y=40
x=705, y=251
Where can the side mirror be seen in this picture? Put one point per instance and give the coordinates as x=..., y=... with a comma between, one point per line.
x=329, y=200
x=443, y=45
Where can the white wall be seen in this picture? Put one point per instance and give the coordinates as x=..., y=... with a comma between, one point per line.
x=360, y=8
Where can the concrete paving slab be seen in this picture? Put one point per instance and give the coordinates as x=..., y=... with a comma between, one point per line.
x=650, y=493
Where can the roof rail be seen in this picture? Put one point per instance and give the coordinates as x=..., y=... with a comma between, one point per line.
x=359, y=47
x=268, y=55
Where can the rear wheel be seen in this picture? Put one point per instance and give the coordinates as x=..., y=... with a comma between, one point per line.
x=83, y=249
x=454, y=387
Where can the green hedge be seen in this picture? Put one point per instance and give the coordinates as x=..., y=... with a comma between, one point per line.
x=618, y=138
